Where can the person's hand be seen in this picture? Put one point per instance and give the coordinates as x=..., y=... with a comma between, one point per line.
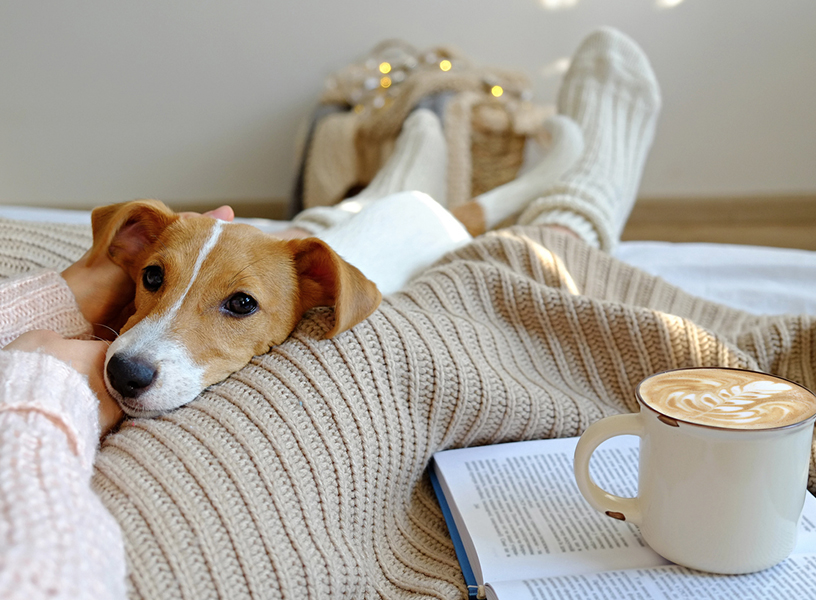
x=292, y=233
x=225, y=213
x=103, y=290
x=86, y=357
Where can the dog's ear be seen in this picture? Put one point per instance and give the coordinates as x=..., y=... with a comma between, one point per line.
x=325, y=279
x=124, y=230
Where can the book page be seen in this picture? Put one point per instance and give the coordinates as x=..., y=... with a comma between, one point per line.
x=518, y=509
x=806, y=536
x=793, y=578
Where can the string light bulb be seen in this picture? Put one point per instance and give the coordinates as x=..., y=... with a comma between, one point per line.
x=385, y=82
x=385, y=68
x=445, y=65
x=496, y=90
x=558, y=4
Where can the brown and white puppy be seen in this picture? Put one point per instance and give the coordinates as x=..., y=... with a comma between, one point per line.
x=210, y=295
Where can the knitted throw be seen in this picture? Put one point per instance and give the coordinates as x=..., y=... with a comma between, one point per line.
x=303, y=475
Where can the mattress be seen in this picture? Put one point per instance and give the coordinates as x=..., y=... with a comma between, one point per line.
x=758, y=279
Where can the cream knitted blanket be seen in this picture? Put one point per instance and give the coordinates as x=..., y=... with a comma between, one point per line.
x=303, y=475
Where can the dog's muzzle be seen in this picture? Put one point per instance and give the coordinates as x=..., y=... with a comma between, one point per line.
x=130, y=376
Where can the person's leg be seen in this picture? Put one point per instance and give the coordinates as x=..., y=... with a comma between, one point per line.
x=492, y=208
x=611, y=91
x=418, y=163
x=396, y=238
x=586, y=184
x=397, y=226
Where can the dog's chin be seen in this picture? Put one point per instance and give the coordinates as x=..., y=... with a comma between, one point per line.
x=138, y=409
x=139, y=412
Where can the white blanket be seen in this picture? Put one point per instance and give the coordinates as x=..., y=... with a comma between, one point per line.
x=758, y=279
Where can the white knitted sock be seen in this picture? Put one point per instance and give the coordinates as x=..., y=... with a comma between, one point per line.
x=611, y=91
x=511, y=198
x=418, y=163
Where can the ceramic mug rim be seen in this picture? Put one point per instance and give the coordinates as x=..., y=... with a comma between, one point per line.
x=643, y=404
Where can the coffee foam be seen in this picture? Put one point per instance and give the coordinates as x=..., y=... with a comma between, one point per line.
x=728, y=398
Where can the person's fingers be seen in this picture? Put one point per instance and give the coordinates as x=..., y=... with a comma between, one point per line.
x=33, y=341
x=87, y=357
x=225, y=213
x=110, y=414
x=101, y=289
x=292, y=233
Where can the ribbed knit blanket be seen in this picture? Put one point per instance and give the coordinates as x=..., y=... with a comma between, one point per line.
x=304, y=474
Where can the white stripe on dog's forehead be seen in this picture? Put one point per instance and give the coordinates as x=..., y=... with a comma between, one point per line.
x=150, y=338
x=206, y=248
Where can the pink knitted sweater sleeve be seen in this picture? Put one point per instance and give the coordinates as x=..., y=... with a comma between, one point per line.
x=40, y=300
x=56, y=538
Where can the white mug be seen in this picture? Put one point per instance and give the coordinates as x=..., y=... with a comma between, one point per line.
x=713, y=498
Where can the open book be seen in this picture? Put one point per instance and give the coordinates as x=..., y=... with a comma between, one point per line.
x=523, y=531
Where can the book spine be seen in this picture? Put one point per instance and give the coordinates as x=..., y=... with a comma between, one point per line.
x=475, y=591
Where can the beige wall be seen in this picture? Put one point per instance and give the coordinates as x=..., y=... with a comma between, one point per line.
x=199, y=100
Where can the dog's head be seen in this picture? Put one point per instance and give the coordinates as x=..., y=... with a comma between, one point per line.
x=210, y=295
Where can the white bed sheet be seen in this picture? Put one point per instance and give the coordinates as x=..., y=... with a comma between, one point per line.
x=757, y=279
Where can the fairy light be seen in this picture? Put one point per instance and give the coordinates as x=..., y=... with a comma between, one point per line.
x=385, y=82
x=445, y=65
x=496, y=90
x=385, y=68
x=558, y=4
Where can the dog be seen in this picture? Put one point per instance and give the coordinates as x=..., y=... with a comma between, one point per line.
x=210, y=295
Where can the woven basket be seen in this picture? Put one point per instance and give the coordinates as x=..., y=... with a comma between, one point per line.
x=362, y=110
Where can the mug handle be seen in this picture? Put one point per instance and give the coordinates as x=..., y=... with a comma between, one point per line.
x=623, y=509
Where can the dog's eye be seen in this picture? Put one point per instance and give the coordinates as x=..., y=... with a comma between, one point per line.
x=241, y=304
x=152, y=278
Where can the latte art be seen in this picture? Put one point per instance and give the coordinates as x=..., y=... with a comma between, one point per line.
x=728, y=398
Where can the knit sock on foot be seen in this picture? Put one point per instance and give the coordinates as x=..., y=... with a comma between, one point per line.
x=506, y=201
x=611, y=91
x=418, y=163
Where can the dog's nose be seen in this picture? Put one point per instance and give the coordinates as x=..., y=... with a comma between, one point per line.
x=130, y=376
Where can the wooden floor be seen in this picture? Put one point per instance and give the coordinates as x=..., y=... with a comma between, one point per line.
x=785, y=221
